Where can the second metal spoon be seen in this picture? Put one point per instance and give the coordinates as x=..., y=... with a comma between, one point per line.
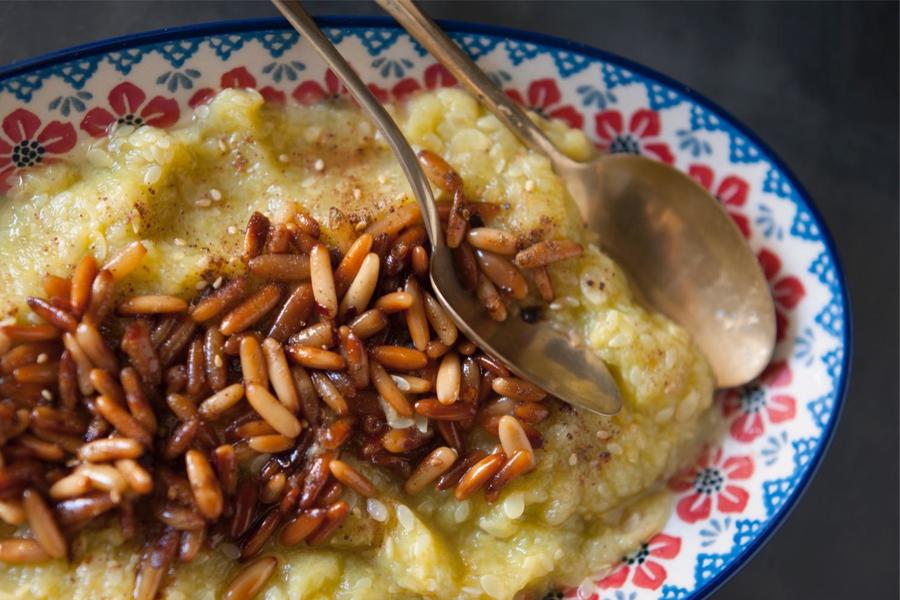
x=533, y=351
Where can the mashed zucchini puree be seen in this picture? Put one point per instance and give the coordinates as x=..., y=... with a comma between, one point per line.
x=596, y=491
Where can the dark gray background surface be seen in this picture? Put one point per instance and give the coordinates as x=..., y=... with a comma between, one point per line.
x=819, y=83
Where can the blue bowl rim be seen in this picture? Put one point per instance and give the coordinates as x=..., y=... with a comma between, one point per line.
x=275, y=23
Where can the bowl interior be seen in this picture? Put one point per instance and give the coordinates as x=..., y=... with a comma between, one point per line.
x=779, y=426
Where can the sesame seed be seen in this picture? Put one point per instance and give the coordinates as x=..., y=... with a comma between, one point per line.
x=405, y=516
x=46, y=394
x=529, y=185
x=201, y=284
x=179, y=242
x=135, y=227
x=217, y=283
x=357, y=193
x=231, y=230
x=223, y=147
x=360, y=225
x=203, y=202
x=283, y=158
x=573, y=459
x=41, y=358
x=218, y=361
x=215, y=194
x=203, y=262
x=152, y=174
x=377, y=510
x=319, y=165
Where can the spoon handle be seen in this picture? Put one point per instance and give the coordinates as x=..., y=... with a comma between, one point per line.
x=433, y=39
x=303, y=23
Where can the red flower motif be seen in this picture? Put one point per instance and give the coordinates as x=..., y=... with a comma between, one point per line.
x=787, y=290
x=26, y=144
x=127, y=103
x=756, y=405
x=544, y=98
x=711, y=480
x=239, y=78
x=731, y=192
x=645, y=573
x=312, y=91
x=639, y=138
x=436, y=76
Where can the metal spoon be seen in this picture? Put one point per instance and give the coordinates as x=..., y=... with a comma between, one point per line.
x=683, y=251
x=533, y=351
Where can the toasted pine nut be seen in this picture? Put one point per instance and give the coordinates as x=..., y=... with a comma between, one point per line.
x=432, y=408
x=355, y=356
x=22, y=551
x=388, y=389
x=395, y=220
x=43, y=524
x=30, y=333
x=299, y=528
x=360, y=291
x=149, y=305
x=369, y=323
x=352, y=478
x=440, y=320
x=449, y=377
x=411, y=384
x=183, y=407
x=350, y=264
x=543, y=253
x=430, y=468
x=135, y=475
x=253, y=364
x=518, y=389
x=334, y=516
x=394, y=302
x=250, y=310
x=127, y=260
x=104, y=477
x=543, y=284
x=316, y=358
x=12, y=512
x=329, y=393
x=512, y=436
x=251, y=579
x=520, y=462
x=490, y=298
x=93, y=345
x=82, y=280
x=204, y=485
x=214, y=406
x=420, y=262
x=478, y=475
x=322, y=280
x=399, y=357
x=54, y=315
x=124, y=423
x=71, y=486
x=270, y=444
x=492, y=240
x=503, y=274
x=108, y=449
x=416, y=320
x=320, y=335
x=439, y=172
x=274, y=413
x=220, y=299
x=282, y=267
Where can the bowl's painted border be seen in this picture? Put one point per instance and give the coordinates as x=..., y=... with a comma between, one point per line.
x=220, y=27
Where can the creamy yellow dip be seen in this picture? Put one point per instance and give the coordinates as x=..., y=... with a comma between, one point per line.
x=188, y=192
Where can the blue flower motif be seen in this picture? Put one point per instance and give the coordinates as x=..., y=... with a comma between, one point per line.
x=387, y=66
x=773, y=447
x=500, y=78
x=594, y=96
x=690, y=141
x=768, y=223
x=714, y=529
x=66, y=104
x=175, y=79
x=803, y=346
x=287, y=70
x=620, y=595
